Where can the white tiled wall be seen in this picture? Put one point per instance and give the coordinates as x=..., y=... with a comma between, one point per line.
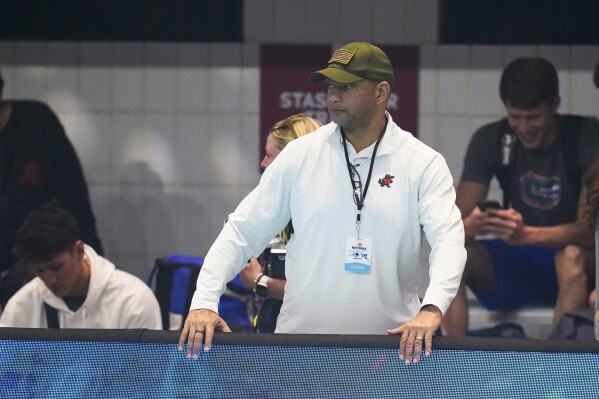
x=168, y=132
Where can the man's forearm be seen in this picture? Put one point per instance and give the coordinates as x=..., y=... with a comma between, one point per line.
x=575, y=233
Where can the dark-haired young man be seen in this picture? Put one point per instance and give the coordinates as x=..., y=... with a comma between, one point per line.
x=541, y=254
x=75, y=287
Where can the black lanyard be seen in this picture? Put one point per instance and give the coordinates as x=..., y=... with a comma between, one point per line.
x=359, y=199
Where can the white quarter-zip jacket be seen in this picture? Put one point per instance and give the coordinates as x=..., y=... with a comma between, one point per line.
x=309, y=183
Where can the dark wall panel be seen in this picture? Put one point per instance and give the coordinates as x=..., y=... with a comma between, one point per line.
x=117, y=20
x=519, y=22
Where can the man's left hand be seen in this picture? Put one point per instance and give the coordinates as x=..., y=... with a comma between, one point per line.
x=416, y=332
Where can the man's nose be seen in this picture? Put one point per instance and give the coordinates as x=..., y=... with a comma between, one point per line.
x=49, y=278
x=334, y=95
x=523, y=126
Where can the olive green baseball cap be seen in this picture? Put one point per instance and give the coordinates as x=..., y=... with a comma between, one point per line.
x=354, y=62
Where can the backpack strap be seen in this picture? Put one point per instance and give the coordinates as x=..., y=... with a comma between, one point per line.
x=289, y=230
x=51, y=316
x=163, y=288
x=506, y=142
x=150, y=278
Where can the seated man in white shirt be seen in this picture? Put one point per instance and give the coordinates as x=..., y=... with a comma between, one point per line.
x=75, y=287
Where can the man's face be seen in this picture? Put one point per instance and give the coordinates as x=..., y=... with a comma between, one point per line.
x=536, y=127
x=271, y=150
x=63, y=275
x=351, y=105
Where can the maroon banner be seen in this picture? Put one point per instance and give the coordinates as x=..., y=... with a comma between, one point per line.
x=285, y=89
x=403, y=104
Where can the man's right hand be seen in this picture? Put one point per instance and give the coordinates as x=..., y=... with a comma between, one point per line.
x=474, y=224
x=200, y=326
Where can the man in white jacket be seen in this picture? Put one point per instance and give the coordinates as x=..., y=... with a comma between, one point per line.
x=75, y=287
x=360, y=191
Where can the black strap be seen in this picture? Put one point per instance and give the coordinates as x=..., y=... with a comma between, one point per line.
x=360, y=203
x=164, y=282
x=507, y=142
x=51, y=316
x=289, y=230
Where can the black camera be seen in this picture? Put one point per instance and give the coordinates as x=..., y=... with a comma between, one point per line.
x=272, y=260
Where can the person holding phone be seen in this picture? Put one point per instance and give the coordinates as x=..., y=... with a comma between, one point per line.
x=541, y=253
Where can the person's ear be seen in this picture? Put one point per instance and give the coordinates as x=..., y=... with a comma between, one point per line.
x=383, y=91
x=79, y=249
x=557, y=101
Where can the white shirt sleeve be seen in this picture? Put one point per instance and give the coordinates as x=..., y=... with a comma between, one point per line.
x=444, y=230
x=257, y=219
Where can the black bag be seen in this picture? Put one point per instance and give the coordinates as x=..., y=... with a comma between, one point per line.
x=577, y=324
x=501, y=330
x=13, y=279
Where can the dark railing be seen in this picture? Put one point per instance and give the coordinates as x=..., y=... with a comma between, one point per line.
x=145, y=363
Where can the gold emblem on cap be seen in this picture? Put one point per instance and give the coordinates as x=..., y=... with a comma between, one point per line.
x=342, y=56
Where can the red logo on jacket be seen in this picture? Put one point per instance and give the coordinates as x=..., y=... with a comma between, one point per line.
x=386, y=181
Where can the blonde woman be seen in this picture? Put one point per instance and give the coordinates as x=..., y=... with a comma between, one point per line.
x=284, y=132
